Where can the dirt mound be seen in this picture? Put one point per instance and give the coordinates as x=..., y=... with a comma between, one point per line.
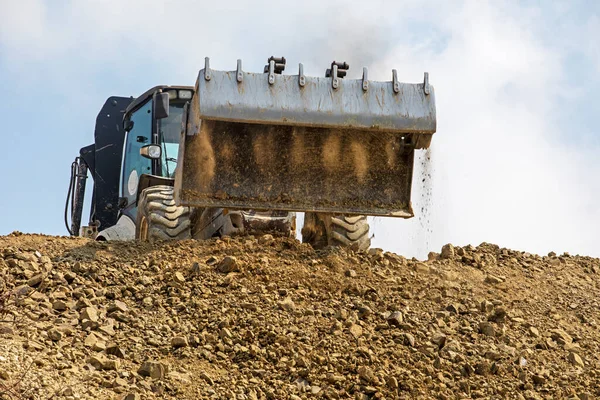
x=270, y=318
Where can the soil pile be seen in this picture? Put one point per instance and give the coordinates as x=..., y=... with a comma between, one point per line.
x=271, y=318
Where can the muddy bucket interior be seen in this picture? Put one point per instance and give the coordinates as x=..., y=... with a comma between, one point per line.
x=260, y=143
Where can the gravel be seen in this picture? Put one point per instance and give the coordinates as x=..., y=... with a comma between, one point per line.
x=270, y=318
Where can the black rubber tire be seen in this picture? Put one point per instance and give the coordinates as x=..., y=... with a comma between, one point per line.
x=321, y=230
x=215, y=222
x=159, y=218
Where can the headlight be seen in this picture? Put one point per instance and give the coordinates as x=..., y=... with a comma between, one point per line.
x=185, y=94
x=152, y=151
x=172, y=94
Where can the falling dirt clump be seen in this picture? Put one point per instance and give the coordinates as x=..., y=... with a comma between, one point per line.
x=245, y=318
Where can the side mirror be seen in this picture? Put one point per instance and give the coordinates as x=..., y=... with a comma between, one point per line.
x=161, y=105
x=151, y=151
x=128, y=125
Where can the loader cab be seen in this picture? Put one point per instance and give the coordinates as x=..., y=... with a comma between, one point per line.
x=152, y=125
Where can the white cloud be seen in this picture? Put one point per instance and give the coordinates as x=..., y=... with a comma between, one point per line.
x=501, y=170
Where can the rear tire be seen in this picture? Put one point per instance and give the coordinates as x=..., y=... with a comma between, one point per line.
x=159, y=218
x=217, y=222
x=321, y=230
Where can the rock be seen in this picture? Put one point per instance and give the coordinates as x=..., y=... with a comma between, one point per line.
x=121, y=317
x=107, y=329
x=499, y=315
x=486, y=306
x=422, y=268
x=87, y=324
x=99, y=345
x=55, y=335
x=453, y=308
x=229, y=264
x=409, y=339
x=364, y=312
x=482, y=368
x=70, y=277
x=179, y=341
x=111, y=365
x=179, y=278
x=447, y=251
x=287, y=304
x=266, y=239
x=376, y=252
x=196, y=268
x=493, y=355
x=351, y=273
x=35, y=280
x=132, y=396
x=538, y=379
x=4, y=375
x=90, y=340
x=37, y=296
x=59, y=305
x=6, y=330
x=395, y=318
x=89, y=313
x=439, y=339
x=97, y=361
x=341, y=314
x=212, y=260
x=534, y=332
x=249, y=306
x=114, y=350
x=32, y=344
x=118, y=306
x=561, y=337
x=23, y=290
x=207, y=378
x=392, y=382
x=366, y=374
x=153, y=369
x=494, y=280
x=575, y=359
x=487, y=329
x=82, y=303
x=356, y=330
x=119, y=382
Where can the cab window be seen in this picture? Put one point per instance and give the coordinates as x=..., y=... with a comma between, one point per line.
x=170, y=130
x=134, y=165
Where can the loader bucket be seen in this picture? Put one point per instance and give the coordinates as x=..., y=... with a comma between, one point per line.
x=300, y=143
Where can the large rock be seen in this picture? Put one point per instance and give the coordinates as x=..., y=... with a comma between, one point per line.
x=447, y=251
x=153, y=369
x=89, y=313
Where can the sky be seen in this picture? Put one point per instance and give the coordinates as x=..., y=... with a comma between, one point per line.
x=515, y=160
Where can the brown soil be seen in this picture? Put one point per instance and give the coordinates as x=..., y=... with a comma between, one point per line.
x=270, y=318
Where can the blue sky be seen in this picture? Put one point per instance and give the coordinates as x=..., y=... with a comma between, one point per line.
x=515, y=160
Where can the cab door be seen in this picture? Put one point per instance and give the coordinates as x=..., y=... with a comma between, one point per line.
x=134, y=165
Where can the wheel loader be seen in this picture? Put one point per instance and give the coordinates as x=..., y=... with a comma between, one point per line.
x=242, y=152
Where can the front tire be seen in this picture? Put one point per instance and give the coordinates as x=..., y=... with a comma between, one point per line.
x=321, y=230
x=159, y=218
